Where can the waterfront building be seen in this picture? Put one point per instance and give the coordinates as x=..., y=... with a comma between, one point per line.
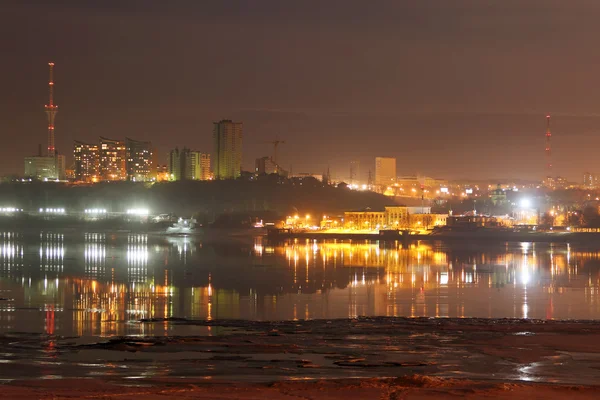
x=139, y=165
x=227, y=155
x=385, y=171
x=394, y=217
x=113, y=157
x=87, y=162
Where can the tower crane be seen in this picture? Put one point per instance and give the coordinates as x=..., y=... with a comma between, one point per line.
x=275, y=144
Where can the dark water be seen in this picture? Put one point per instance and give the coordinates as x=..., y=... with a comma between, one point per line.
x=97, y=284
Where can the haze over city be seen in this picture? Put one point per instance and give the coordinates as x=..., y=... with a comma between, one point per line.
x=452, y=89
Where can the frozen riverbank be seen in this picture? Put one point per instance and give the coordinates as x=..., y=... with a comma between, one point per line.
x=412, y=387
x=445, y=354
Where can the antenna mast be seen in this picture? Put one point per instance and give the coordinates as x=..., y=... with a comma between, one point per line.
x=51, y=110
x=548, y=147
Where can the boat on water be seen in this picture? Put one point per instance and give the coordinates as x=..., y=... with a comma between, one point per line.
x=183, y=226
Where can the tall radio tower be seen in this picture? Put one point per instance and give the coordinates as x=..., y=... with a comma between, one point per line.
x=51, y=110
x=548, y=148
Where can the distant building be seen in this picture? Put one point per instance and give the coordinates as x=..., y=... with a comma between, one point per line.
x=162, y=173
x=557, y=182
x=265, y=165
x=354, y=172
x=139, y=164
x=590, y=180
x=41, y=168
x=395, y=217
x=476, y=221
x=186, y=164
x=304, y=175
x=498, y=196
x=197, y=166
x=70, y=174
x=174, y=165
x=227, y=155
x=385, y=171
x=113, y=157
x=87, y=162
x=61, y=166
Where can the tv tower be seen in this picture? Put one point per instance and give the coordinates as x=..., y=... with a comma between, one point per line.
x=51, y=110
x=548, y=148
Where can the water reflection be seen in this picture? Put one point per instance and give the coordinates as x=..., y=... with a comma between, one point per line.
x=98, y=284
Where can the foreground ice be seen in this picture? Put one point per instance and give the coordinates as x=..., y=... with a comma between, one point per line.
x=437, y=350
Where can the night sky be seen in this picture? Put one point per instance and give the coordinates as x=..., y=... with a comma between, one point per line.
x=453, y=89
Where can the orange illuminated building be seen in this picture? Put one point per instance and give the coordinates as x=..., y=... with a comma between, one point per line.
x=113, y=156
x=87, y=162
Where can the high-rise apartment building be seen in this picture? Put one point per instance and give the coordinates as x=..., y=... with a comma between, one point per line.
x=113, y=157
x=139, y=163
x=198, y=166
x=385, y=171
x=186, y=164
x=87, y=162
x=227, y=155
x=174, y=165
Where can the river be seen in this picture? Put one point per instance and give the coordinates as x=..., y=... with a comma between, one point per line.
x=95, y=284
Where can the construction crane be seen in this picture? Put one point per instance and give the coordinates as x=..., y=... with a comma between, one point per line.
x=275, y=144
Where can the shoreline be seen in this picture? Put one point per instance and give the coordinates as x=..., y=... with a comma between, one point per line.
x=500, y=237
x=379, y=357
x=407, y=387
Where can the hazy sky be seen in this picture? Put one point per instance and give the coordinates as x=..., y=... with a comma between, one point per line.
x=452, y=88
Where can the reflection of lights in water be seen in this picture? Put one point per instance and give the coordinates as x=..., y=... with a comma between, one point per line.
x=52, y=252
x=94, y=255
x=525, y=247
x=525, y=275
x=396, y=269
x=137, y=258
x=469, y=277
x=444, y=278
x=181, y=243
x=137, y=254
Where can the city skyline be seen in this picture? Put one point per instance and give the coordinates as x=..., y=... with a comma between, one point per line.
x=372, y=93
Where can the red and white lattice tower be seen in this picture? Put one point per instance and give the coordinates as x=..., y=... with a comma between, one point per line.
x=548, y=147
x=51, y=110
